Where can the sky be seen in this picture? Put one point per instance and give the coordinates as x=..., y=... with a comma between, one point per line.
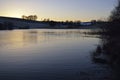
x=59, y=10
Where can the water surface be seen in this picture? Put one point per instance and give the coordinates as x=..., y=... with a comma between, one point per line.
x=49, y=55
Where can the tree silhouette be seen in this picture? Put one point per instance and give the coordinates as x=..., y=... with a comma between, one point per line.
x=35, y=17
x=30, y=17
x=115, y=15
x=23, y=16
x=113, y=27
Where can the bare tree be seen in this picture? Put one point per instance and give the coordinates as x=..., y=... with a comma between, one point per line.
x=30, y=17
x=23, y=16
x=35, y=17
x=115, y=14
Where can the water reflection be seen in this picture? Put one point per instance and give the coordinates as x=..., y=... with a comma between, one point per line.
x=107, y=52
x=47, y=55
x=20, y=38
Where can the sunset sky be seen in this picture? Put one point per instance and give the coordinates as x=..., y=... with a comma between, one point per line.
x=60, y=10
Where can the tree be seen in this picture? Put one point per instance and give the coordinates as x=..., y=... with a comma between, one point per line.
x=30, y=17
x=35, y=17
x=115, y=14
x=23, y=16
x=113, y=27
x=93, y=22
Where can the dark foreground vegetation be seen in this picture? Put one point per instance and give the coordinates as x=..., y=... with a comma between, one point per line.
x=108, y=51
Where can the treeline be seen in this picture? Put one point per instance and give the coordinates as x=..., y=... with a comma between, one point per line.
x=8, y=23
x=30, y=17
x=69, y=24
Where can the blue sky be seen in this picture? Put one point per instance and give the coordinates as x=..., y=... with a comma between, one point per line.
x=84, y=10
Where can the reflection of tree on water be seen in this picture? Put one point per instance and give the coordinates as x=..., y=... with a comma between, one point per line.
x=38, y=36
x=108, y=52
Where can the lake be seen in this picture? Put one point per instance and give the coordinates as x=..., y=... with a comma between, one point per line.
x=49, y=54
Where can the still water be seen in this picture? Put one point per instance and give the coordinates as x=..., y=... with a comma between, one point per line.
x=49, y=55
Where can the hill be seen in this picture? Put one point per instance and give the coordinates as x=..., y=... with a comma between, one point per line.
x=17, y=23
